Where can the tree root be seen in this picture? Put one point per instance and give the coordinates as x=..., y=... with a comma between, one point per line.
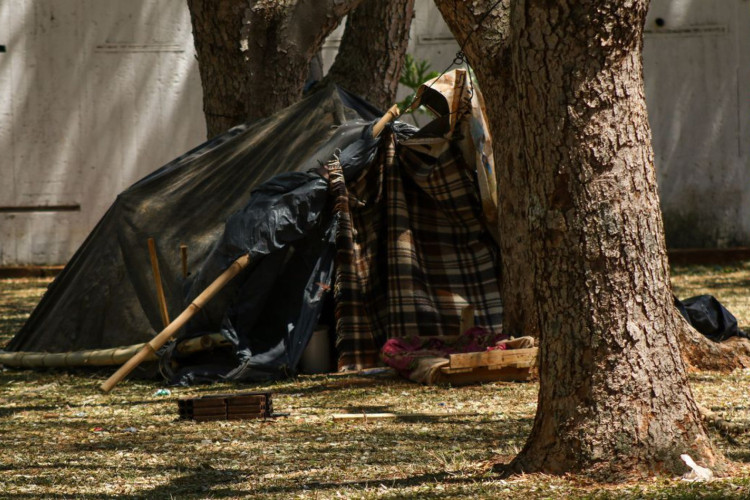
x=724, y=426
x=702, y=354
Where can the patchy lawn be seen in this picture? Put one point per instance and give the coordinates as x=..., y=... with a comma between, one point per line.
x=62, y=438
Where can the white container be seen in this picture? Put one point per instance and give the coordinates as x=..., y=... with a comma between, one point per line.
x=317, y=355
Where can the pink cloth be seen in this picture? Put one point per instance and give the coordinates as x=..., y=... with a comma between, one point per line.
x=402, y=354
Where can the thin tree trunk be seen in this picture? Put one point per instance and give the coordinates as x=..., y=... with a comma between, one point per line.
x=281, y=40
x=581, y=232
x=372, y=50
x=483, y=30
x=254, y=55
x=216, y=34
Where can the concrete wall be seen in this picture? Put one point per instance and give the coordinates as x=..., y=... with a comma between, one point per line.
x=94, y=94
x=697, y=72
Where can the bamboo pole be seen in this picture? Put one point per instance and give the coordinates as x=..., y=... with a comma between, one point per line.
x=157, y=280
x=97, y=357
x=202, y=343
x=387, y=118
x=183, y=256
x=154, y=344
x=102, y=357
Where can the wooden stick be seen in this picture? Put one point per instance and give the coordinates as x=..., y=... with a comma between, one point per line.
x=154, y=344
x=183, y=255
x=157, y=280
x=97, y=357
x=363, y=416
x=404, y=416
x=203, y=343
x=387, y=118
x=458, y=92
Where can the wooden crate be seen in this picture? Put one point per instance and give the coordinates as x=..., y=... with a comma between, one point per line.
x=476, y=367
x=239, y=406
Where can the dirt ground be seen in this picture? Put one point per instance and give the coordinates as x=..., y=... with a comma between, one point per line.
x=62, y=438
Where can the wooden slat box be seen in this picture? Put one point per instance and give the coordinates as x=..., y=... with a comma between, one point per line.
x=490, y=366
x=238, y=406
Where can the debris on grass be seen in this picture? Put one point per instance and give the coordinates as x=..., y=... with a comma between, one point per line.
x=308, y=455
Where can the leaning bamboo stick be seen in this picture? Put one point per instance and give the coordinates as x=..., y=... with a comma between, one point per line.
x=154, y=344
x=388, y=117
x=157, y=280
x=102, y=357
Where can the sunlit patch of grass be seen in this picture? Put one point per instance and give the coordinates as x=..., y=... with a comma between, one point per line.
x=62, y=438
x=17, y=299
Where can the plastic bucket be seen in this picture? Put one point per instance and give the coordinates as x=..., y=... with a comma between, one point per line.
x=317, y=355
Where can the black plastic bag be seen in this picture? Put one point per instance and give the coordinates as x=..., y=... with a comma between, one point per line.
x=706, y=314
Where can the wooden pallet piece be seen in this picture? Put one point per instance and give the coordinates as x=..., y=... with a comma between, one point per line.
x=518, y=357
x=237, y=406
x=203, y=411
x=510, y=365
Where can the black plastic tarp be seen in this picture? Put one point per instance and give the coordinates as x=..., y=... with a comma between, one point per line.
x=269, y=312
x=106, y=297
x=301, y=193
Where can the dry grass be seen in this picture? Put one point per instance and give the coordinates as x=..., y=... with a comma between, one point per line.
x=62, y=438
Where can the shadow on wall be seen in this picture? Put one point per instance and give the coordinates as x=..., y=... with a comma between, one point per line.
x=93, y=95
x=692, y=62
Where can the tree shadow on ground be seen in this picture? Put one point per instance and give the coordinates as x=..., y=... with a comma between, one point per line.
x=70, y=407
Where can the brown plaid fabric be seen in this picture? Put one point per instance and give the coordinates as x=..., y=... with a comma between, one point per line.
x=412, y=252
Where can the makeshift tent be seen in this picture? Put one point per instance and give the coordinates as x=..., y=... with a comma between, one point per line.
x=389, y=233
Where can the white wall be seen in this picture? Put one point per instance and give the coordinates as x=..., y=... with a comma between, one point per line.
x=94, y=94
x=697, y=72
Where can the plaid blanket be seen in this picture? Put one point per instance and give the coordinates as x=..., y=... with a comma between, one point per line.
x=412, y=251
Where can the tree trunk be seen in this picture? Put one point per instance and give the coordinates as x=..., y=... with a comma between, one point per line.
x=581, y=231
x=701, y=353
x=216, y=34
x=483, y=31
x=254, y=55
x=486, y=40
x=372, y=50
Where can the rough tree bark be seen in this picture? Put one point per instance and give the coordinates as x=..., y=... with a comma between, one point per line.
x=216, y=34
x=483, y=28
x=581, y=228
x=254, y=55
x=372, y=50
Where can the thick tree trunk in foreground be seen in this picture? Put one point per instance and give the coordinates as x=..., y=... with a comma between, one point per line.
x=490, y=47
x=254, y=55
x=372, y=50
x=580, y=224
